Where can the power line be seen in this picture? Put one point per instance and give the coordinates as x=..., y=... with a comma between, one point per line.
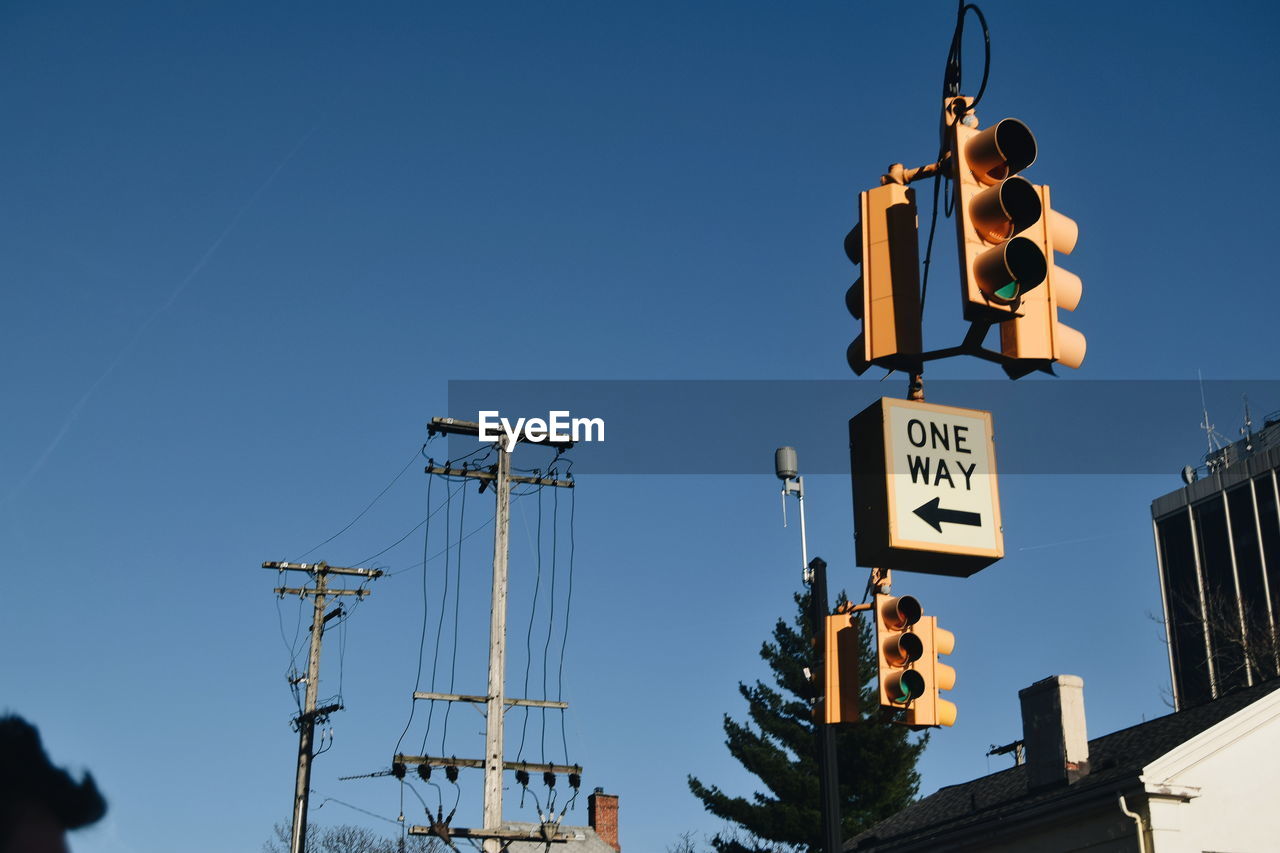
x=362, y=512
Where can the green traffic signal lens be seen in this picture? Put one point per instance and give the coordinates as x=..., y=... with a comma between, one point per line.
x=1009, y=292
x=909, y=686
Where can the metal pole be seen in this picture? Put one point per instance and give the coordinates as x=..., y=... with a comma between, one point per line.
x=828, y=771
x=307, y=723
x=804, y=541
x=493, y=740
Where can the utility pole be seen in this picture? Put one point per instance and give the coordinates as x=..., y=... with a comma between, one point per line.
x=306, y=720
x=786, y=467
x=496, y=701
x=828, y=770
x=494, y=716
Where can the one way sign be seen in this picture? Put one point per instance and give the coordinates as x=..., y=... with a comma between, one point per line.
x=924, y=488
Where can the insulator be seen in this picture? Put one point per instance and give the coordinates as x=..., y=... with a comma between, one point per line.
x=522, y=776
x=424, y=772
x=451, y=773
x=575, y=781
x=549, y=779
x=398, y=769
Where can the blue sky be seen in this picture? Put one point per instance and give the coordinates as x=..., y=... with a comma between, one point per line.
x=245, y=248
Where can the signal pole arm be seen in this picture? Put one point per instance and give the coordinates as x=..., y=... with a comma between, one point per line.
x=899, y=174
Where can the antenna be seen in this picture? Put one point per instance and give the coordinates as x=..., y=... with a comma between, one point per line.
x=1247, y=429
x=786, y=468
x=1212, y=438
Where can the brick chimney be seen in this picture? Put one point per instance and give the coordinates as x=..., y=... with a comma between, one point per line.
x=602, y=814
x=1053, y=731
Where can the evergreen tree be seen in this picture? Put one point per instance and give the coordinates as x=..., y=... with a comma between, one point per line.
x=876, y=758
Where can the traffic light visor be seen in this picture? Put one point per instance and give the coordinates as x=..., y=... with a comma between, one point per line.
x=1004, y=149
x=904, y=687
x=1003, y=210
x=902, y=649
x=1010, y=269
x=901, y=612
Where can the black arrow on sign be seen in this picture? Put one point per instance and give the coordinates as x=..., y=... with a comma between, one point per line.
x=934, y=515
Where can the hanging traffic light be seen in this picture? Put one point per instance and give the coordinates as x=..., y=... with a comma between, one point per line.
x=898, y=648
x=886, y=298
x=1036, y=338
x=930, y=709
x=840, y=670
x=998, y=264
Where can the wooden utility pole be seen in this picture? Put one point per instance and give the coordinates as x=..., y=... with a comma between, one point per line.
x=494, y=716
x=306, y=720
x=496, y=701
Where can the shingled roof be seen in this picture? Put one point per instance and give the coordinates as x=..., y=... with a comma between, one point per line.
x=1113, y=759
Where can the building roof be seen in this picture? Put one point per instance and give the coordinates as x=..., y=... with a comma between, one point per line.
x=1113, y=759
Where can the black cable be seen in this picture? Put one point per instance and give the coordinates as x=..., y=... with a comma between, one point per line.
x=444, y=600
x=551, y=618
x=385, y=489
x=568, y=602
x=986, y=46
x=528, y=636
x=422, y=637
x=412, y=530
x=457, y=599
x=357, y=808
x=951, y=81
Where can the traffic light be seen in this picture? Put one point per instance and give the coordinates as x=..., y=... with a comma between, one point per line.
x=886, y=298
x=898, y=648
x=998, y=264
x=930, y=709
x=840, y=670
x=1036, y=338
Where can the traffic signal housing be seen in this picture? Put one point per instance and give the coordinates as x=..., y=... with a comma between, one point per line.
x=841, y=684
x=898, y=648
x=886, y=297
x=930, y=709
x=998, y=264
x=1037, y=339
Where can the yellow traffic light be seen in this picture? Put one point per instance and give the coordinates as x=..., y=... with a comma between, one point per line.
x=840, y=700
x=998, y=264
x=898, y=648
x=931, y=709
x=886, y=298
x=1036, y=338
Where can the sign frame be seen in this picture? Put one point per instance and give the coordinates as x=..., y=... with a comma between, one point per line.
x=879, y=521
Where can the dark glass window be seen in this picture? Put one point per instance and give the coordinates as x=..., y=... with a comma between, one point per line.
x=1222, y=607
x=1186, y=624
x=1253, y=591
x=1269, y=526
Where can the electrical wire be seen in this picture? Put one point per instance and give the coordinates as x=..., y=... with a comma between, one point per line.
x=568, y=602
x=551, y=618
x=370, y=506
x=528, y=638
x=951, y=81
x=422, y=637
x=357, y=808
x=444, y=598
x=457, y=599
x=411, y=531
